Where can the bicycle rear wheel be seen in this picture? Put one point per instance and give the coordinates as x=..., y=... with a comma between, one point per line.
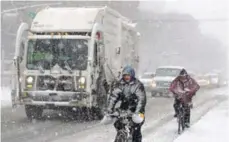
x=179, y=123
x=181, y=120
x=122, y=136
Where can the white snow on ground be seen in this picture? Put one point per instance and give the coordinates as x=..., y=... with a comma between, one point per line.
x=213, y=127
x=5, y=96
x=165, y=132
x=210, y=125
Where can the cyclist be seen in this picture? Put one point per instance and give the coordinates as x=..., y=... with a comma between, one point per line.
x=130, y=91
x=184, y=88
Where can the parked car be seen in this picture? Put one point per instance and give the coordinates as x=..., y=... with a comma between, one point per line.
x=214, y=79
x=203, y=81
x=147, y=79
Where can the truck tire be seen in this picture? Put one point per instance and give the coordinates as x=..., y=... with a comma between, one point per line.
x=98, y=111
x=33, y=112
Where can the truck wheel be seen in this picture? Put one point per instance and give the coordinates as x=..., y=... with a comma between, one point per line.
x=98, y=110
x=97, y=113
x=33, y=112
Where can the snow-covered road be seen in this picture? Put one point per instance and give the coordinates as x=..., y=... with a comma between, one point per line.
x=161, y=128
x=213, y=127
x=5, y=97
x=160, y=125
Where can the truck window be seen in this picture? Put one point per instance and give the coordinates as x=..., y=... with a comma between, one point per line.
x=49, y=52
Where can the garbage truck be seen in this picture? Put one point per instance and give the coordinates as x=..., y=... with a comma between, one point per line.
x=68, y=57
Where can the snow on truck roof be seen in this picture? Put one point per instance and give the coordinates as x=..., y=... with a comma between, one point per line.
x=54, y=19
x=171, y=67
x=67, y=19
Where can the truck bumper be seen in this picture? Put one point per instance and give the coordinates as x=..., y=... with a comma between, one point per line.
x=57, y=99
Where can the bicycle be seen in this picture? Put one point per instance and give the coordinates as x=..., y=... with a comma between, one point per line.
x=126, y=133
x=181, y=117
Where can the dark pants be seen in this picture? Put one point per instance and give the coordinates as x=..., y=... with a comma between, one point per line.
x=137, y=135
x=186, y=108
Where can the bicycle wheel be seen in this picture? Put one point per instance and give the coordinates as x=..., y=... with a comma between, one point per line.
x=121, y=136
x=182, y=121
x=179, y=122
x=180, y=117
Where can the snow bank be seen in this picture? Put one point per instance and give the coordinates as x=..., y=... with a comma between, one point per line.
x=213, y=127
x=5, y=96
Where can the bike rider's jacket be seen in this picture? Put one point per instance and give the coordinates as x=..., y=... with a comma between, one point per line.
x=177, y=87
x=132, y=96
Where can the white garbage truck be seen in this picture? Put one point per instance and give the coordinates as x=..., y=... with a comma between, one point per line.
x=69, y=57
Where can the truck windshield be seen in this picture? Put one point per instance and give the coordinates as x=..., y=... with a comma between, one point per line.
x=49, y=52
x=167, y=72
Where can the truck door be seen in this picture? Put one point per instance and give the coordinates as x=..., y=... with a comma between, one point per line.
x=18, y=58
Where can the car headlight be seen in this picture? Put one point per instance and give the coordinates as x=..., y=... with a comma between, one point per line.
x=29, y=80
x=153, y=84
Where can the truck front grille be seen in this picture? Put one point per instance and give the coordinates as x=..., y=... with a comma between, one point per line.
x=61, y=83
x=46, y=82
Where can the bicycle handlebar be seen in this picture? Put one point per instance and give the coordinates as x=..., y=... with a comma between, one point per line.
x=122, y=114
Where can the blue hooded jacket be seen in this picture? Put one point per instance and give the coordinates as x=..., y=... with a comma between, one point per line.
x=132, y=94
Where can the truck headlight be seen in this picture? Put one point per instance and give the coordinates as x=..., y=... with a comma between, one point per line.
x=82, y=80
x=29, y=80
x=82, y=83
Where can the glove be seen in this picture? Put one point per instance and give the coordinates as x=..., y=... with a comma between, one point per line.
x=138, y=118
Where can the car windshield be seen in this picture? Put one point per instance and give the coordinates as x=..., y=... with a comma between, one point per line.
x=67, y=53
x=167, y=72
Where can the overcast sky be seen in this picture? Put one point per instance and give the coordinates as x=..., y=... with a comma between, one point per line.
x=216, y=11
